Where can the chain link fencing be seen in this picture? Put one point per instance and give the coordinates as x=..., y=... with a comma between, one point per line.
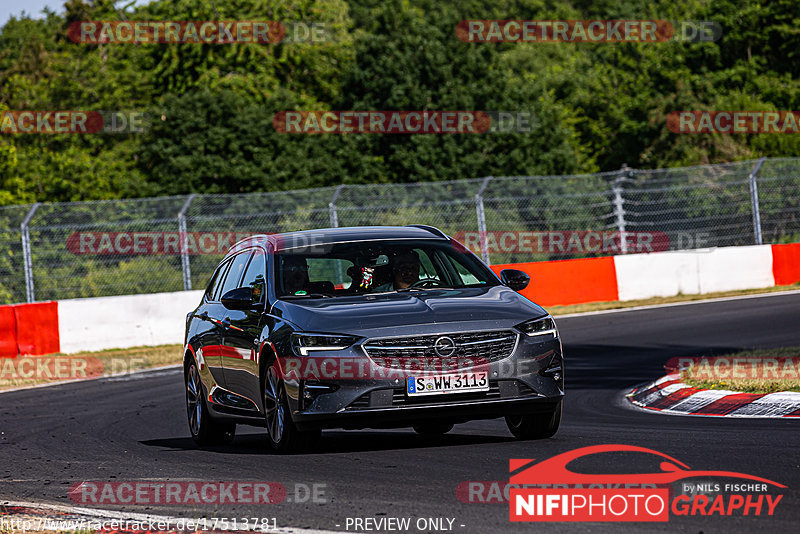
x=53, y=251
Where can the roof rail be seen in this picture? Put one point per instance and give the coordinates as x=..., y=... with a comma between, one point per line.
x=431, y=229
x=247, y=241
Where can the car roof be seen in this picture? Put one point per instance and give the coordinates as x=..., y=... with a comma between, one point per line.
x=347, y=234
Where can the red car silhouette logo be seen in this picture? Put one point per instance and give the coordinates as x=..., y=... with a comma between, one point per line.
x=554, y=470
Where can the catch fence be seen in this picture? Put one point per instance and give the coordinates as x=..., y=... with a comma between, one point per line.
x=52, y=251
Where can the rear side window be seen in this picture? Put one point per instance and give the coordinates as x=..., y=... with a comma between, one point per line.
x=329, y=269
x=216, y=281
x=234, y=274
x=255, y=275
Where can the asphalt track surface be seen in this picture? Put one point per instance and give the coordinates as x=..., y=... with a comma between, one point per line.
x=134, y=428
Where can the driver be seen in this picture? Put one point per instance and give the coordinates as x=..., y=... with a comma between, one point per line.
x=295, y=274
x=405, y=271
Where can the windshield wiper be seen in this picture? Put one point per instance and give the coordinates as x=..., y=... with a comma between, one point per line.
x=406, y=289
x=308, y=296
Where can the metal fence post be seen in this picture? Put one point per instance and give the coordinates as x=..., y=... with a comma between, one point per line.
x=26, y=252
x=754, y=201
x=332, y=206
x=185, y=267
x=619, y=210
x=482, y=220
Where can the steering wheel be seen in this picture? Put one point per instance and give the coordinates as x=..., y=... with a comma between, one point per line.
x=426, y=282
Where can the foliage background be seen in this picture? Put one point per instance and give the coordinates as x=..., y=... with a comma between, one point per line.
x=597, y=106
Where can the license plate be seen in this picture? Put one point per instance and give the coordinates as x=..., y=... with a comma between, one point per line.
x=449, y=383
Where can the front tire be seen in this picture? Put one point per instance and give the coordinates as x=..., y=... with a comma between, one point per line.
x=535, y=426
x=205, y=431
x=282, y=434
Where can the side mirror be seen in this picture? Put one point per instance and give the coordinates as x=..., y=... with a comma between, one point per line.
x=516, y=280
x=240, y=298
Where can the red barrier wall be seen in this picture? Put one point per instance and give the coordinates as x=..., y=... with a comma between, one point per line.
x=786, y=264
x=8, y=332
x=37, y=328
x=568, y=281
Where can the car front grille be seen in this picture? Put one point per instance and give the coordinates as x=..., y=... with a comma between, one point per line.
x=477, y=347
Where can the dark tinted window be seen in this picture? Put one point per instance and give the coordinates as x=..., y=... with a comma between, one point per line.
x=234, y=274
x=255, y=275
x=216, y=281
x=377, y=266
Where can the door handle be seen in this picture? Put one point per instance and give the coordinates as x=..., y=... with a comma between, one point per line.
x=226, y=323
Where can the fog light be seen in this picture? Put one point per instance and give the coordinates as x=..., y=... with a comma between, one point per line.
x=312, y=390
x=553, y=370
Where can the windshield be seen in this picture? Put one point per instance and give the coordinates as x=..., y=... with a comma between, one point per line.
x=377, y=267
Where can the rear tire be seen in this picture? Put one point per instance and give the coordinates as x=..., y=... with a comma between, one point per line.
x=433, y=428
x=205, y=430
x=536, y=425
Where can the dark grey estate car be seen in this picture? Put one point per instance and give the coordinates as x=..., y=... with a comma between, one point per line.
x=367, y=327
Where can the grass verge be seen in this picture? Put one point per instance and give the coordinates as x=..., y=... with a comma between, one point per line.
x=749, y=371
x=37, y=370
x=600, y=306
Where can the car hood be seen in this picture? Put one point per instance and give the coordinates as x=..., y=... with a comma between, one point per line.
x=482, y=307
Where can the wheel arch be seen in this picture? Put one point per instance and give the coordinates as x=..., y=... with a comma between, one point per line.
x=266, y=355
x=189, y=357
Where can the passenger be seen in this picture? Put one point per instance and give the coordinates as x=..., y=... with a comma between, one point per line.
x=295, y=274
x=405, y=271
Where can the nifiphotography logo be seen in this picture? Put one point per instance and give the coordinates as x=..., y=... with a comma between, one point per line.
x=548, y=491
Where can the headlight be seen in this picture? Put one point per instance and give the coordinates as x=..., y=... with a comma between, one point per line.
x=539, y=327
x=302, y=344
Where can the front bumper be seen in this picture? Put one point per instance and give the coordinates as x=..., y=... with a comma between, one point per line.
x=529, y=380
x=454, y=411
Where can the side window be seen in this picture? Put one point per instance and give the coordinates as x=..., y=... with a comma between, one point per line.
x=467, y=277
x=255, y=275
x=427, y=269
x=234, y=274
x=216, y=281
x=329, y=269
